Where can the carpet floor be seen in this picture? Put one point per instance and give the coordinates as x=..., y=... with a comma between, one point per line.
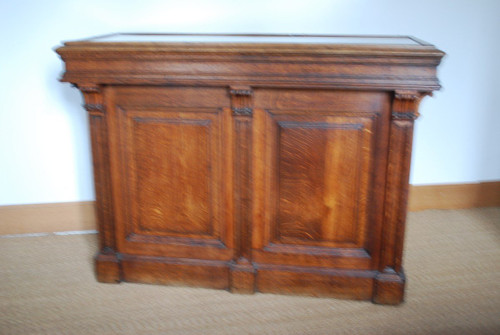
x=452, y=261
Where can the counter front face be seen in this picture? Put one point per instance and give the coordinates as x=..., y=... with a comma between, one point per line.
x=273, y=163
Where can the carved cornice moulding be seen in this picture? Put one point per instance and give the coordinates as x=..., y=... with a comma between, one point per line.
x=358, y=66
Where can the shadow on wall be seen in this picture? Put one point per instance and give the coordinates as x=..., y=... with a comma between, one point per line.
x=71, y=102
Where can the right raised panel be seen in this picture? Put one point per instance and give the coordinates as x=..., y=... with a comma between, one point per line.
x=321, y=188
x=316, y=156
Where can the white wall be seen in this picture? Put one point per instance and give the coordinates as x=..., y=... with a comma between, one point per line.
x=44, y=142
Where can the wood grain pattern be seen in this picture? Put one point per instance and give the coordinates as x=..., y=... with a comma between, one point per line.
x=76, y=216
x=242, y=270
x=277, y=167
x=174, y=184
x=173, y=271
x=390, y=283
x=345, y=284
x=311, y=156
x=107, y=263
x=172, y=157
x=319, y=206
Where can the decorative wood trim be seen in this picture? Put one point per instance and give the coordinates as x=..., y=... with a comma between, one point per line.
x=407, y=95
x=92, y=96
x=405, y=116
x=244, y=111
x=242, y=187
x=100, y=154
x=336, y=283
x=108, y=267
x=107, y=263
x=405, y=105
x=240, y=91
x=404, y=112
x=166, y=270
x=241, y=100
x=390, y=283
x=88, y=88
x=94, y=107
x=242, y=271
x=356, y=66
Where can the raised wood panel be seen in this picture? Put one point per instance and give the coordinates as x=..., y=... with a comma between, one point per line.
x=172, y=163
x=318, y=181
x=173, y=172
x=321, y=180
x=314, y=179
x=172, y=192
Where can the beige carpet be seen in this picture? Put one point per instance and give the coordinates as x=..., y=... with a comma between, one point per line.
x=452, y=263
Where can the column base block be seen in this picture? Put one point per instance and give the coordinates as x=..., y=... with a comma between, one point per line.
x=242, y=277
x=389, y=288
x=107, y=268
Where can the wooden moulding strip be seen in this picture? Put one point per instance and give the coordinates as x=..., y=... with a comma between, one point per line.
x=44, y=218
x=71, y=216
x=454, y=196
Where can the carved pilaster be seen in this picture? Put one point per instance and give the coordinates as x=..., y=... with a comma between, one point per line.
x=242, y=270
x=107, y=263
x=405, y=106
x=389, y=284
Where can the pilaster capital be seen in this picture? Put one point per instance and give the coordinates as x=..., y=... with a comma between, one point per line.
x=241, y=100
x=405, y=105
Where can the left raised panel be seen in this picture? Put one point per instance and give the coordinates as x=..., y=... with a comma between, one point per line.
x=171, y=175
x=171, y=165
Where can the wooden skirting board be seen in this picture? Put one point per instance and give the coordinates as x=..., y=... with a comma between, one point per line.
x=454, y=196
x=41, y=218
x=79, y=216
